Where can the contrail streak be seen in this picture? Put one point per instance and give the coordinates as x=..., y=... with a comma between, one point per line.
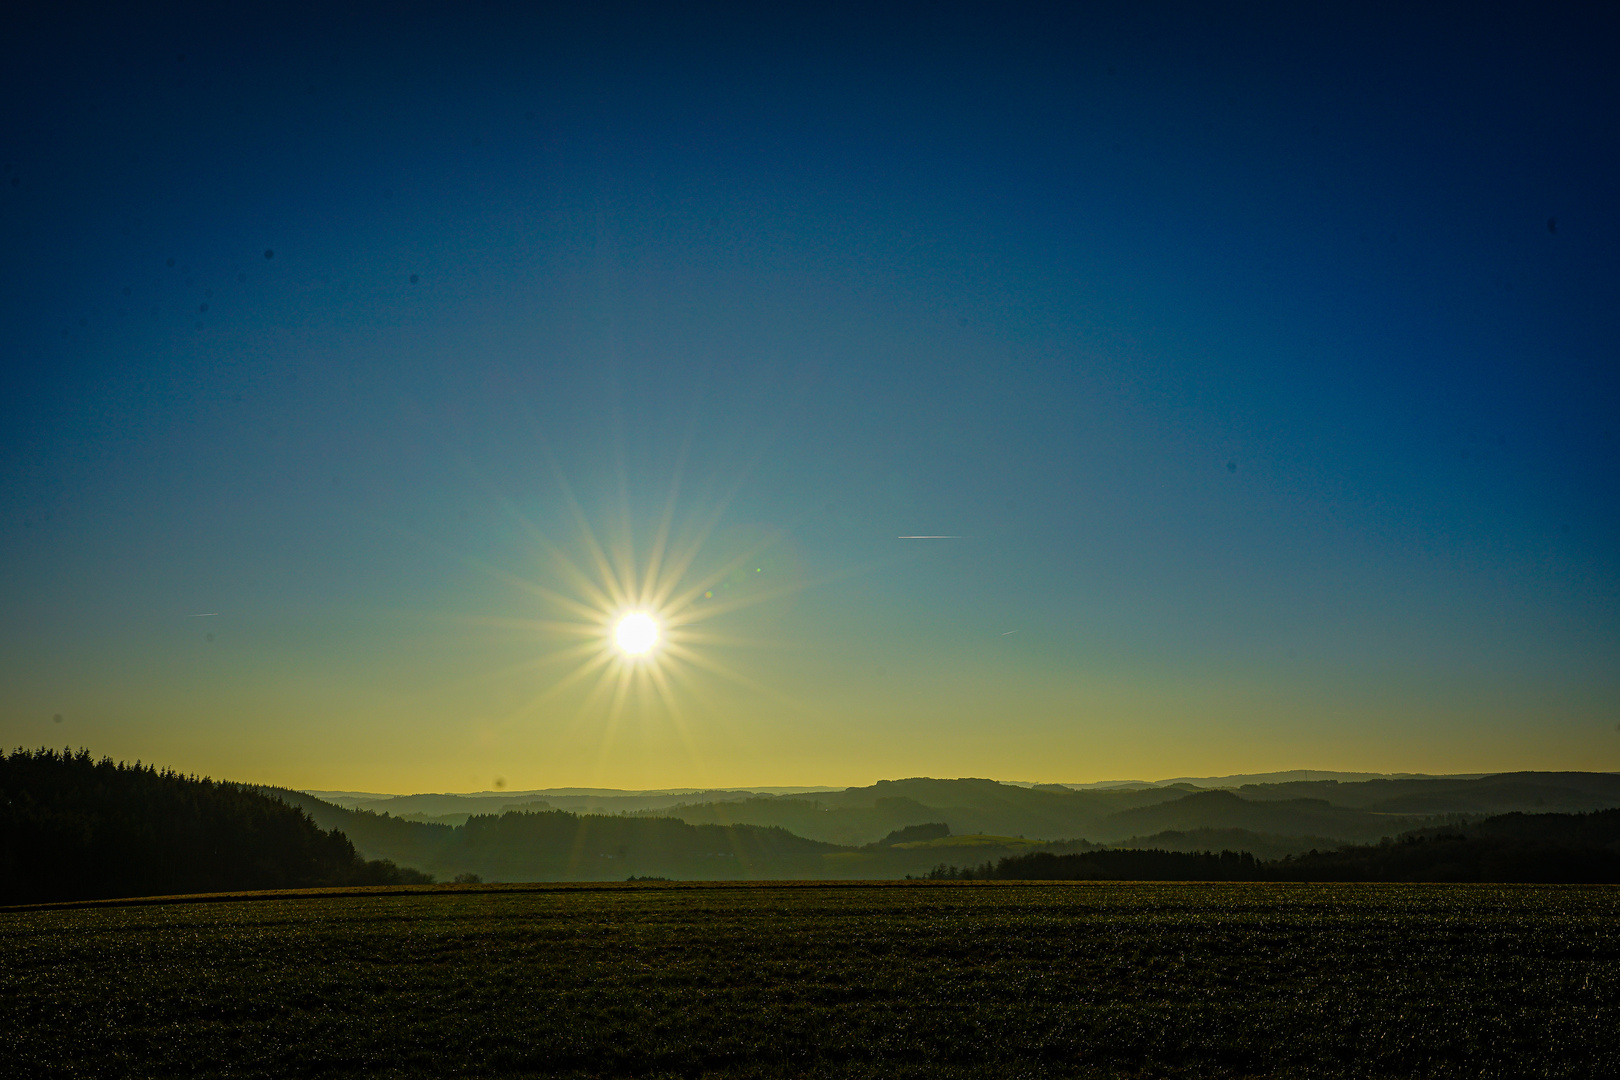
x=928, y=538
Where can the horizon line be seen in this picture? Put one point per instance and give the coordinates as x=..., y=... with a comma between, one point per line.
x=576, y=791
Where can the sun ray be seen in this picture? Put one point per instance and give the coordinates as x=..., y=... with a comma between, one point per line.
x=595, y=661
x=622, y=546
x=605, y=673
x=715, y=577
x=681, y=565
x=518, y=622
x=621, y=689
x=730, y=641
x=681, y=672
x=655, y=556
x=699, y=538
x=696, y=613
x=617, y=594
x=578, y=720
x=660, y=679
x=710, y=664
x=536, y=534
x=526, y=665
x=579, y=578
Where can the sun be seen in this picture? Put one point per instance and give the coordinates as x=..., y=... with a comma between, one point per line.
x=636, y=634
x=634, y=622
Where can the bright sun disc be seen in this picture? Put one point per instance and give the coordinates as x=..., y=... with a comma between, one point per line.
x=636, y=633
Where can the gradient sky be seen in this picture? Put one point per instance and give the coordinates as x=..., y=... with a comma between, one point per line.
x=1261, y=358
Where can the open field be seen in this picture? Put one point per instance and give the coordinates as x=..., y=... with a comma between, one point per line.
x=891, y=979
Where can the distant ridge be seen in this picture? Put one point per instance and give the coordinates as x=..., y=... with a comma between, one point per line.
x=347, y=798
x=343, y=797
x=1358, y=806
x=1291, y=776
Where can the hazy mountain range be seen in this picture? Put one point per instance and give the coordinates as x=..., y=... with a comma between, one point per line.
x=616, y=800
x=597, y=834
x=72, y=827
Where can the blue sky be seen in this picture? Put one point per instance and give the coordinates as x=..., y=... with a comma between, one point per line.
x=1262, y=362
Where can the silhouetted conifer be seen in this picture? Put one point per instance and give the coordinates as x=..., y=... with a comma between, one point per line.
x=74, y=828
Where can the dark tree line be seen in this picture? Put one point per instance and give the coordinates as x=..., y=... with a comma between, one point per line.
x=1546, y=848
x=73, y=828
x=1111, y=864
x=935, y=830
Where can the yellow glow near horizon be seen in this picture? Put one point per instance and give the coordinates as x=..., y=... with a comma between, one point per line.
x=633, y=627
x=636, y=634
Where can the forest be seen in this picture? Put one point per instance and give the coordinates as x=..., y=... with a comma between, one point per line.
x=76, y=828
x=1525, y=848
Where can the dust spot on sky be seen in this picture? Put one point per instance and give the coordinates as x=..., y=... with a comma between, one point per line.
x=57, y=719
x=208, y=637
x=1552, y=225
x=168, y=262
x=413, y=279
x=500, y=781
x=1231, y=466
x=240, y=278
x=269, y=253
x=126, y=290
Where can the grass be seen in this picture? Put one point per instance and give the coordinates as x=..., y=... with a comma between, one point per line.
x=780, y=980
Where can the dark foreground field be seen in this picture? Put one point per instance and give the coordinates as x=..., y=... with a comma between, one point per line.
x=970, y=979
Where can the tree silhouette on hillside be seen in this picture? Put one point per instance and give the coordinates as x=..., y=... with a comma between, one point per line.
x=75, y=828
